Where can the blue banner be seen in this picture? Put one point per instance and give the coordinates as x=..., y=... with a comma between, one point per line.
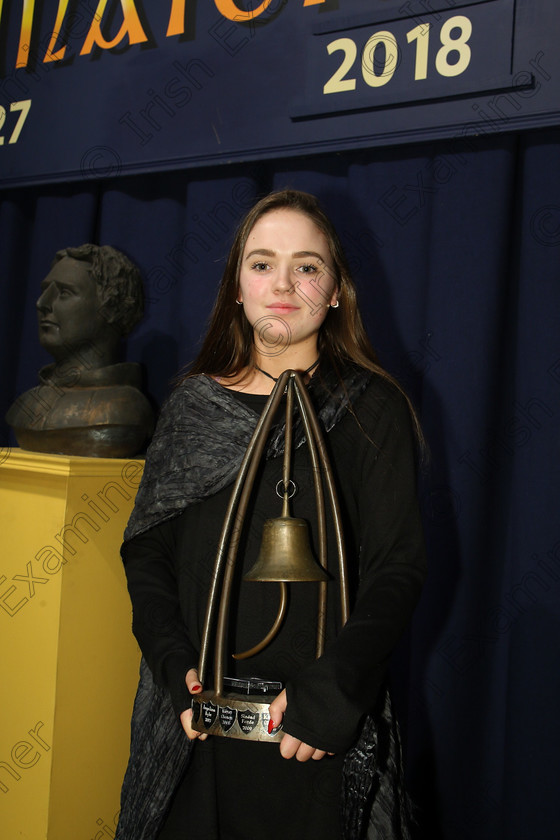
x=96, y=88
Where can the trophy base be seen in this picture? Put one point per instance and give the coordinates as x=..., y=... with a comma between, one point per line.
x=232, y=715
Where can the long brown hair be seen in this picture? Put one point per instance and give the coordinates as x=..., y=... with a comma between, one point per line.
x=228, y=347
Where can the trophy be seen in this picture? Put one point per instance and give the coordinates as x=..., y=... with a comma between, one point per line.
x=239, y=708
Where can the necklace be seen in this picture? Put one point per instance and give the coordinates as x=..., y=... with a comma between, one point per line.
x=275, y=378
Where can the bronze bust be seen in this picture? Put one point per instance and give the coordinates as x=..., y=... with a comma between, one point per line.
x=87, y=403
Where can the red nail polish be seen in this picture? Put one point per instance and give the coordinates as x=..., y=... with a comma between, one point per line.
x=270, y=726
x=196, y=687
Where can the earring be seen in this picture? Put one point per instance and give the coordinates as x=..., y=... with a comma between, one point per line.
x=335, y=305
x=239, y=302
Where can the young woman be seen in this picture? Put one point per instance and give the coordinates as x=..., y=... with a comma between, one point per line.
x=286, y=301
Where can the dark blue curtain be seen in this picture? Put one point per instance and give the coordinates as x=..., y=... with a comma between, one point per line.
x=455, y=247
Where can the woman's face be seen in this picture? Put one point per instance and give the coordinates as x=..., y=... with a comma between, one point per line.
x=287, y=280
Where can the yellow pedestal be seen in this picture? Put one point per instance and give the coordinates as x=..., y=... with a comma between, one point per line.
x=69, y=660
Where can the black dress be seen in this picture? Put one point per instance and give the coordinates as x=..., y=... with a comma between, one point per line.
x=234, y=789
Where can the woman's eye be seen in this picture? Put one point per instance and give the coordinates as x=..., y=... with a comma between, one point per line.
x=308, y=268
x=260, y=266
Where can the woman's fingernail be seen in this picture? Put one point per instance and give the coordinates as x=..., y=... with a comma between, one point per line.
x=270, y=726
x=196, y=687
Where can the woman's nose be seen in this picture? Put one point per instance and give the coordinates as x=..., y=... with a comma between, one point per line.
x=282, y=279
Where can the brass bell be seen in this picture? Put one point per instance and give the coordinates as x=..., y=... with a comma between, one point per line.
x=285, y=553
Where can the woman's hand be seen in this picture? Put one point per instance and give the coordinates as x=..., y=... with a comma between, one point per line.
x=194, y=687
x=290, y=746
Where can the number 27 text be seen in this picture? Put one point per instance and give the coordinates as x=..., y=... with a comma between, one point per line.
x=23, y=107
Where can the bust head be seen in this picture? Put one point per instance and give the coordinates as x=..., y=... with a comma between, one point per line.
x=87, y=403
x=90, y=299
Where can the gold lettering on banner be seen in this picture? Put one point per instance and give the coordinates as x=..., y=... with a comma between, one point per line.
x=131, y=26
x=25, y=33
x=176, y=24
x=229, y=10
x=51, y=55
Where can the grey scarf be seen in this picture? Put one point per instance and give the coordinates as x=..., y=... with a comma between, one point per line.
x=196, y=451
